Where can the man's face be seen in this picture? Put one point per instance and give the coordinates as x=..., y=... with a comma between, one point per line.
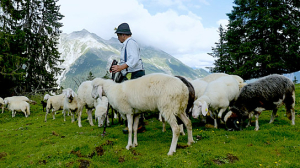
x=121, y=37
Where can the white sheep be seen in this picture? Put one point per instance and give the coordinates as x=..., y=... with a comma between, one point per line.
x=71, y=102
x=18, y=106
x=55, y=103
x=100, y=111
x=154, y=92
x=85, y=100
x=214, y=76
x=8, y=100
x=216, y=98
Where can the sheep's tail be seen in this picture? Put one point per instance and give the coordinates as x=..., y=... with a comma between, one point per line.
x=191, y=93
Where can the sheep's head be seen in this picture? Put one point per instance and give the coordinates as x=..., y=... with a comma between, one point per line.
x=199, y=106
x=97, y=88
x=46, y=97
x=233, y=120
x=101, y=119
x=70, y=94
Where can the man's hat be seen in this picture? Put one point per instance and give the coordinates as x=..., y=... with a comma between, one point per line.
x=123, y=29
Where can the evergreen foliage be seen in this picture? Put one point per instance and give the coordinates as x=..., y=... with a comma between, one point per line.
x=29, y=58
x=262, y=38
x=90, y=77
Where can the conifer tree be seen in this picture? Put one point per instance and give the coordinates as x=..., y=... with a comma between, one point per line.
x=28, y=37
x=262, y=38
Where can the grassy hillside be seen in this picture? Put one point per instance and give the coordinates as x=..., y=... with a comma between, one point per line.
x=31, y=142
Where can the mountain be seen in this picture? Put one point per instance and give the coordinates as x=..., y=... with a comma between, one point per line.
x=85, y=52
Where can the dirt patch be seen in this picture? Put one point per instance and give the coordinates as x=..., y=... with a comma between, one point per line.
x=84, y=163
x=2, y=155
x=135, y=153
x=232, y=158
x=42, y=162
x=77, y=153
x=228, y=159
x=121, y=159
x=181, y=146
x=54, y=133
x=99, y=150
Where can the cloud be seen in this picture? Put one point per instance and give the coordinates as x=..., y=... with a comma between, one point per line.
x=181, y=35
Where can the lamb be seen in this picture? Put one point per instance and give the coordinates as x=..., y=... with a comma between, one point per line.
x=100, y=111
x=85, y=99
x=267, y=93
x=55, y=103
x=71, y=102
x=154, y=92
x=17, y=106
x=216, y=98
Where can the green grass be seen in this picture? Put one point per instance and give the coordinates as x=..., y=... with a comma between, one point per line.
x=31, y=142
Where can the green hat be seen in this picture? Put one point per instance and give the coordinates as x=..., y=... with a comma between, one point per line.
x=123, y=29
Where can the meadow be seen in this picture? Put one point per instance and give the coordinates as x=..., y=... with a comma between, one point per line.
x=31, y=142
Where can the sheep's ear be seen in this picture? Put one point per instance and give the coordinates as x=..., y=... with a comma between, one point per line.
x=73, y=93
x=204, y=108
x=100, y=91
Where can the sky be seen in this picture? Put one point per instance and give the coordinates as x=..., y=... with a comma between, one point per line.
x=185, y=29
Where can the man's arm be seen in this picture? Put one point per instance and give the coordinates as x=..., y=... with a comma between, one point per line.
x=118, y=68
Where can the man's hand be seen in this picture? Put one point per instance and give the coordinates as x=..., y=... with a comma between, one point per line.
x=118, y=68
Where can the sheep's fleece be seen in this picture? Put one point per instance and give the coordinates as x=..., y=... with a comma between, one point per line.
x=267, y=93
x=154, y=92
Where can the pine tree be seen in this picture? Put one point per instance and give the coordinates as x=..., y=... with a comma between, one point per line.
x=90, y=77
x=29, y=34
x=262, y=38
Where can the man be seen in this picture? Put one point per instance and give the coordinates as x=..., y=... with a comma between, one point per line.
x=130, y=60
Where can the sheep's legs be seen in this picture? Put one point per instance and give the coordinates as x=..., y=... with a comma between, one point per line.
x=135, y=128
x=53, y=114
x=90, y=118
x=64, y=112
x=176, y=132
x=47, y=110
x=187, y=122
x=256, y=122
x=79, y=111
x=72, y=117
x=130, y=122
x=273, y=115
x=289, y=107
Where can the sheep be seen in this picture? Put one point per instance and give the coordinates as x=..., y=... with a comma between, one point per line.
x=267, y=93
x=100, y=111
x=154, y=92
x=85, y=99
x=55, y=103
x=8, y=100
x=44, y=102
x=17, y=106
x=71, y=102
x=216, y=98
x=189, y=106
x=215, y=76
